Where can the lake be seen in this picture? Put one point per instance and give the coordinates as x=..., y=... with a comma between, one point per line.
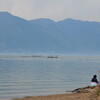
x=34, y=76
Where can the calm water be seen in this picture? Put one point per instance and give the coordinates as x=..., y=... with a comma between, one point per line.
x=21, y=77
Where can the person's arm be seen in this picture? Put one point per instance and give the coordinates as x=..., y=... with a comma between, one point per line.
x=96, y=81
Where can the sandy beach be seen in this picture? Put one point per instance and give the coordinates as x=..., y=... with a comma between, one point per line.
x=86, y=93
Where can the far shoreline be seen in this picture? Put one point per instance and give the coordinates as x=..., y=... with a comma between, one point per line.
x=27, y=56
x=46, y=56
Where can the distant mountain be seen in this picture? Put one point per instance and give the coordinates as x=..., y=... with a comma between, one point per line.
x=69, y=36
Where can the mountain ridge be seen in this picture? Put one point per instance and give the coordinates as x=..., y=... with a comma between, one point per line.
x=43, y=35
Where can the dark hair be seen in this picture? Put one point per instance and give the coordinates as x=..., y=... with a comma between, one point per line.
x=95, y=76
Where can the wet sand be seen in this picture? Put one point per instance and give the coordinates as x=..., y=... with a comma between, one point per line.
x=92, y=93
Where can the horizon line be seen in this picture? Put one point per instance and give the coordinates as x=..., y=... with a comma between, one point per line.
x=50, y=18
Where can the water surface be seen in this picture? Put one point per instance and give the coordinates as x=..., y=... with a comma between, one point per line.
x=21, y=77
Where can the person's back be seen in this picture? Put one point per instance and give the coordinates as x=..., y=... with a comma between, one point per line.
x=94, y=81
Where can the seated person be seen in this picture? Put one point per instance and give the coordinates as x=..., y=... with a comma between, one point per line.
x=94, y=81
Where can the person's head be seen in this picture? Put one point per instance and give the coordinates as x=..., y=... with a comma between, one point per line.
x=95, y=76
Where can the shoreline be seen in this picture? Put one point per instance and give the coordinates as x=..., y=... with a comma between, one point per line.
x=85, y=93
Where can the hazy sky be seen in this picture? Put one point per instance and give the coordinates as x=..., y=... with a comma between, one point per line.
x=53, y=9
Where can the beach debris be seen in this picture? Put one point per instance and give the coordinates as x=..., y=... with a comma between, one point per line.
x=83, y=89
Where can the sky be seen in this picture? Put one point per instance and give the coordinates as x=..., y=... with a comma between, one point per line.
x=54, y=9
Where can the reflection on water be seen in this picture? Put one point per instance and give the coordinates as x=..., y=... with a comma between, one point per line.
x=40, y=76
